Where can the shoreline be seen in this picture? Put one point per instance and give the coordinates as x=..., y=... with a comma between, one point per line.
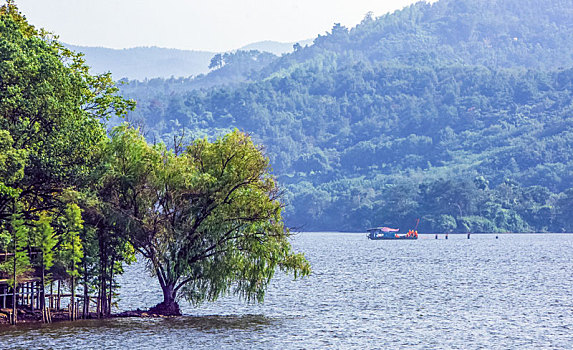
x=28, y=317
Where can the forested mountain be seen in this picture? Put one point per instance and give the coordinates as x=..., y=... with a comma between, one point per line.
x=459, y=112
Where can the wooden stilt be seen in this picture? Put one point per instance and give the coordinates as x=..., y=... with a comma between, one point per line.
x=32, y=289
x=58, y=299
x=39, y=293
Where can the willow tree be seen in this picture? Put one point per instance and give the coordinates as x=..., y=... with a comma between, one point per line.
x=207, y=219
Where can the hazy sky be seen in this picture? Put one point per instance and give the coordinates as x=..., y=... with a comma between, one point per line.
x=213, y=25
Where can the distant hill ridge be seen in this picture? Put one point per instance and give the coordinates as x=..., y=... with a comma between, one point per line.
x=530, y=34
x=145, y=62
x=139, y=63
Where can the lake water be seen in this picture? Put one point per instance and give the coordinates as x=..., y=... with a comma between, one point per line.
x=515, y=292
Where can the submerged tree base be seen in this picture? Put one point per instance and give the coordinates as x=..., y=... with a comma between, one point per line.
x=166, y=309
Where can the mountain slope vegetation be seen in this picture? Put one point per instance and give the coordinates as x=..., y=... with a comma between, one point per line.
x=456, y=112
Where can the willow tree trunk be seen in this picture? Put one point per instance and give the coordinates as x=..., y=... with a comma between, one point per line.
x=168, y=307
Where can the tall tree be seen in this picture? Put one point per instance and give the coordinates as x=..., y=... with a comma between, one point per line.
x=216, y=62
x=45, y=241
x=71, y=252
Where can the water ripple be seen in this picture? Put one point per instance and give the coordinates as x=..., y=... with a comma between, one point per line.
x=482, y=293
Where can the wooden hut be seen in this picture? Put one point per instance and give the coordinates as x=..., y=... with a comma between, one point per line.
x=28, y=289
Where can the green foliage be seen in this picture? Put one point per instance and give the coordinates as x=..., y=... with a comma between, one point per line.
x=71, y=252
x=11, y=160
x=45, y=240
x=11, y=167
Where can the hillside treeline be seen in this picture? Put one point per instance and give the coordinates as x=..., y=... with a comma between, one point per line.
x=459, y=113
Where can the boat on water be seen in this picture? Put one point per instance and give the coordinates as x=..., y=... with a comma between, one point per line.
x=390, y=233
